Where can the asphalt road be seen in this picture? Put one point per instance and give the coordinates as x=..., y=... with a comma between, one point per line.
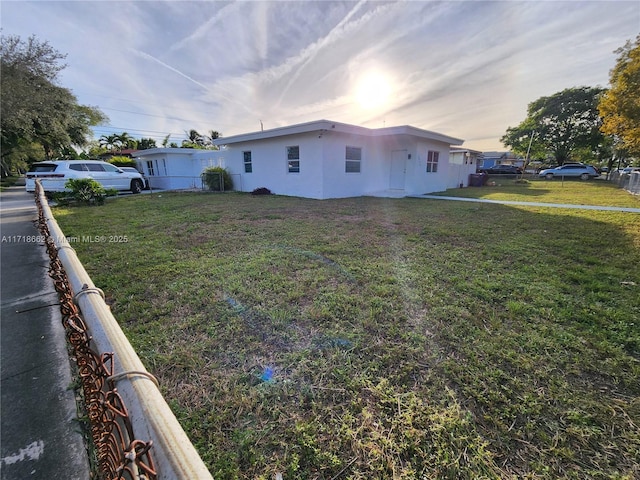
x=39, y=432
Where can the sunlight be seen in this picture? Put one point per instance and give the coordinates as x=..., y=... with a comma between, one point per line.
x=373, y=91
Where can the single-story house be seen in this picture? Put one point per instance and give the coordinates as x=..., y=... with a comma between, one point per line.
x=321, y=159
x=176, y=168
x=327, y=159
x=462, y=163
x=491, y=159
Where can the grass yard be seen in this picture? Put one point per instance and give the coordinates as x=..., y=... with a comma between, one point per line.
x=374, y=338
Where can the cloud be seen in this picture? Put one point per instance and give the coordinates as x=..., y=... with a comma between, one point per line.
x=467, y=69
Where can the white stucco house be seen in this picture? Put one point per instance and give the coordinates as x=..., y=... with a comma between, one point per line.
x=176, y=168
x=327, y=159
x=462, y=163
x=321, y=159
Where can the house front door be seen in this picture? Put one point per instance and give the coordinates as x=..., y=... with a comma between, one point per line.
x=398, y=169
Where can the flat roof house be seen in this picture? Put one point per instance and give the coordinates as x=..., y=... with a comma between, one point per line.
x=176, y=168
x=326, y=159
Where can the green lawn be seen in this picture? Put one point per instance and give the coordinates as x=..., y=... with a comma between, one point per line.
x=374, y=338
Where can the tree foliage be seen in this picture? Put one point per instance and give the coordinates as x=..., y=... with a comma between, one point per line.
x=620, y=105
x=39, y=117
x=564, y=123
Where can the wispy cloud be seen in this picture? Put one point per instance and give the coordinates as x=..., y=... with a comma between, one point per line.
x=468, y=69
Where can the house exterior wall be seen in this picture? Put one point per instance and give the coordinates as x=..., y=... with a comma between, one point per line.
x=269, y=165
x=176, y=169
x=461, y=165
x=323, y=165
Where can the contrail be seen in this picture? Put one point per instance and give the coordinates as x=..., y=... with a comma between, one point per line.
x=169, y=67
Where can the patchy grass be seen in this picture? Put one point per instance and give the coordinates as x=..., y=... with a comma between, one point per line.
x=573, y=192
x=383, y=338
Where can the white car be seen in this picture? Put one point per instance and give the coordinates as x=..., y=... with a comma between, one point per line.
x=54, y=174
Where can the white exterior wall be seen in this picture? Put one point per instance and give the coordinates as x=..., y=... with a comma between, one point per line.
x=322, y=165
x=460, y=167
x=175, y=169
x=270, y=165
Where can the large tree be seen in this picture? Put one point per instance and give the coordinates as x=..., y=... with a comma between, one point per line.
x=561, y=124
x=620, y=105
x=35, y=109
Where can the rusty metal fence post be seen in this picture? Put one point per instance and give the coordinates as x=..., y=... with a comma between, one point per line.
x=134, y=431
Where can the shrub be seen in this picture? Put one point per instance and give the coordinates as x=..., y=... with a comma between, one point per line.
x=211, y=178
x=261, y=191
x=83, y=190
x=122, y=161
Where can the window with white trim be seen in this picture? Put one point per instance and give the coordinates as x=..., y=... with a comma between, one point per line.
x=293, y=159
x=150, y=168
x=248, y=166
x=432, y=161
x=353, y=158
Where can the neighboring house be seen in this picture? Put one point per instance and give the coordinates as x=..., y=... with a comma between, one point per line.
x=176, y=168
x=500, y=158
x=326, y=159
x=462, y=163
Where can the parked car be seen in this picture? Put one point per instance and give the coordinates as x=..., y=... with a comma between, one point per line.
x=574, y=170
x=502, y=170
x=628, y=170
x=54, y=174
x=134, y=170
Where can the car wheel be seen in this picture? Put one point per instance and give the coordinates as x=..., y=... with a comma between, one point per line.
x=584, y=176
x=136, y=186
x=549, y=176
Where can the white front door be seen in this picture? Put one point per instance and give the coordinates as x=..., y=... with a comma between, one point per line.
x=398, y=169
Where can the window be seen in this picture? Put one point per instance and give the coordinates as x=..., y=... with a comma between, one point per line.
x=111, y=168
x=95, y=167
x=248, y=167
x=432, y=161
x=353, y=157
x=293, y=159
x=78, y=167
x=150, y=168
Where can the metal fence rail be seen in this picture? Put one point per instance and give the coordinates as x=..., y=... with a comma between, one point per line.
x=134, y=431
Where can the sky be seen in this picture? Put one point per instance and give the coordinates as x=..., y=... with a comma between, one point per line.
x=467, y=69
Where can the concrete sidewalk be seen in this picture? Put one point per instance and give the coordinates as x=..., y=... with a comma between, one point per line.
x=39, y=434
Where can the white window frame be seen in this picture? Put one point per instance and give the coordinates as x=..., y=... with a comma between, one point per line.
x=293, y=159
x=433, y=156
x=353, y=159
x=247, y=154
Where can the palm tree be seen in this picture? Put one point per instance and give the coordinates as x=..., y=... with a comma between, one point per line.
x=125, y=140
x=109, y=141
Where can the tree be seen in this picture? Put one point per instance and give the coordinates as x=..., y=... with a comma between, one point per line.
x=146, y=143
x=35, y=110
x=109, y=142
x=620, y=105
x=124, y=140
x=563, y=123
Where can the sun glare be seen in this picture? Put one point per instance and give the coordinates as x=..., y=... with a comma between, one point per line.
x=373, y=91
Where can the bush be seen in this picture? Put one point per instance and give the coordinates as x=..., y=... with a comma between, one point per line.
x=261, y=191
x=83, y=190
x=122, y=161
x=211, y=178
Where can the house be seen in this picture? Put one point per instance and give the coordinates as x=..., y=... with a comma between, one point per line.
x=176, y=168
x=326, y=159
x=500, y=158
x=462, y=163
